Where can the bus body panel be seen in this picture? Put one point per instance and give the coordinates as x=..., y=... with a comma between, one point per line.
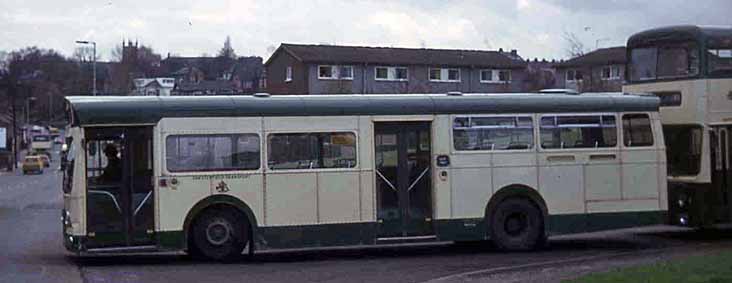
x=720, y=100
x=186, y=189
x=693, y=99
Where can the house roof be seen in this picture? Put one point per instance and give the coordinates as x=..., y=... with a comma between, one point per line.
x=206, y=85
x=398, y=56
x=98, y=110
x=604, y=56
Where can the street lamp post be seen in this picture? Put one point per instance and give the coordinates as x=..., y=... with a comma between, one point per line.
x=94, y=64
x=27, y=109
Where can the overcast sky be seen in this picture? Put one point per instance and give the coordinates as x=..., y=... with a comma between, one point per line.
x=192, y=28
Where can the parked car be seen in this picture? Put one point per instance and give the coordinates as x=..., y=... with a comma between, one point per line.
x=46, y=160
x=45, y=153
x=32, y=163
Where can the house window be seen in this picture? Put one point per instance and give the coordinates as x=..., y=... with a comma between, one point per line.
x=444, y=75
x=610, y=73
x=334, y=72
x=390, y=73
x=574, y=75
x=495, y=76
x=288, y=75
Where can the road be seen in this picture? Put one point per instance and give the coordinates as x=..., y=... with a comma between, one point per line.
x=31, y=251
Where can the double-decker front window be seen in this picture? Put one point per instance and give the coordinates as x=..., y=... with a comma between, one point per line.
x=664, y=62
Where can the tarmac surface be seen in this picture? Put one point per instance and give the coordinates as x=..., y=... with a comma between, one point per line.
x=31, y=250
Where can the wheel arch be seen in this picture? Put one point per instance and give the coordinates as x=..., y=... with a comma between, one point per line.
x=220, y=200
x=521, y=191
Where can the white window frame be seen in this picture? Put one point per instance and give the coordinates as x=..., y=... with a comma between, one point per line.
x=574, y=77
x=537, y=132
x=335, y=72
x=534, y=133
x=391, y=72
x=445, y=74
x=614, y=73
x=288, y=74
x=495, y=77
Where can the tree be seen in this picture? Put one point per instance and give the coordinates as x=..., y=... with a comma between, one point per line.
x=575, y=47
x=227, y=51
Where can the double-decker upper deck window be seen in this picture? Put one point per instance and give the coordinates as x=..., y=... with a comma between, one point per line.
x=581, y=131
x=311, y=150
x=189, y=153
x=493, y=133
x=637, y=130
x=666, y=62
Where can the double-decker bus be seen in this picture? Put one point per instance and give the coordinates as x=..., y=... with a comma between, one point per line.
x=220, y=175
x=690, y=69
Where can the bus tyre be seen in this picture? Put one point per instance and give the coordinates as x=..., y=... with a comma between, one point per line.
x=516, y=225
x=219, y=234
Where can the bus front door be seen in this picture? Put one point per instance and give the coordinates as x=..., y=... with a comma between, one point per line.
x=403, y=178
x=119, y=208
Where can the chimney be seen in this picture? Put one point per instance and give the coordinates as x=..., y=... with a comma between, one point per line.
x=500, y=50
x=514, y=52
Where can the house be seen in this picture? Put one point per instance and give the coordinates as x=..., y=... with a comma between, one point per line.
x=197, y=75
x=325, y=69
x=153, y=86
x=602, y=70
x=215, y=87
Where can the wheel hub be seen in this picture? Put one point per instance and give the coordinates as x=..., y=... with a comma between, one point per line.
x=516, y=224
x=218, y=232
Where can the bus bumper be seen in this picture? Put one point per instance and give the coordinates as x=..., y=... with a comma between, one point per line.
x=692, y=205
x=72, y=243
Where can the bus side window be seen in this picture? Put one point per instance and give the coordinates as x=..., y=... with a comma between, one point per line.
x=581, y=131
x=637, y=130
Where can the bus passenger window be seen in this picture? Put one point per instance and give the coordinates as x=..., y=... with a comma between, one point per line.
x=493, y=133
x=582, y=131
x=311, y=150
x=190, y=153
x=637, y=130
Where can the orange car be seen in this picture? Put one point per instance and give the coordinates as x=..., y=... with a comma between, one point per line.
x=33, y=163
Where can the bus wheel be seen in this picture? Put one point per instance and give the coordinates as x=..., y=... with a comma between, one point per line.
x=220, y=234
x=516, y=225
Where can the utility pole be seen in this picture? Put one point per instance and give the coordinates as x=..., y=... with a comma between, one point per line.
x=11, y=91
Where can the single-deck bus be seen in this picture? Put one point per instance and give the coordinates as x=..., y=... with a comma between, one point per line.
x=690, y=69
x=219, y=175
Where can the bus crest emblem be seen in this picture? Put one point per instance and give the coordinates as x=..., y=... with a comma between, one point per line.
x=222, y=187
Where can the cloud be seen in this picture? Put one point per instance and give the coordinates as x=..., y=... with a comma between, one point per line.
x=190, y=27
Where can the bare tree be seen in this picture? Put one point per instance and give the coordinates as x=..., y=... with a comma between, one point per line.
x=575, y=47
x=117, y=53
x=84, y=54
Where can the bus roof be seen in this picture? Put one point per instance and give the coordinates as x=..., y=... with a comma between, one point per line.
x=679, y=34
x=130, y=110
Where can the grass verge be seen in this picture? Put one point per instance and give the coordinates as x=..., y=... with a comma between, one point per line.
x=712, y=268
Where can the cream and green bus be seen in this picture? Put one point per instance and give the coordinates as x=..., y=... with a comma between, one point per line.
x=219, y=176
x=690, y=69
